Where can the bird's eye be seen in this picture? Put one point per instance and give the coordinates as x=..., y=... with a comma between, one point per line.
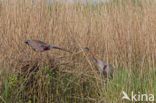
x=26, y=41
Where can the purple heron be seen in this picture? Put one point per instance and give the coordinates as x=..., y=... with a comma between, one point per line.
x=41, y=46
x=103, y=67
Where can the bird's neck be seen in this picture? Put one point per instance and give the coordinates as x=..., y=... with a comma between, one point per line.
x=94, y=57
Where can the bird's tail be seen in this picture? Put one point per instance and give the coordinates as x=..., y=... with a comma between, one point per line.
x=55, y=47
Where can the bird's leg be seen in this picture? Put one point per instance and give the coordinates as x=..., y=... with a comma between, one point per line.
x=35, y=54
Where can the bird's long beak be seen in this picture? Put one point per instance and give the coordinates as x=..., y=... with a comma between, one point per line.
x=82, y=50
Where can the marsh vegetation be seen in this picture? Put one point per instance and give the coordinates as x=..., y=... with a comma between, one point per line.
x=121, y=33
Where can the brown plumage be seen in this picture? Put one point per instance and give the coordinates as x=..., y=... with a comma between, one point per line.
x=103, y=68
x=41, y=46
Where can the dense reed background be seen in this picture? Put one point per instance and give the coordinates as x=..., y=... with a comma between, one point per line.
x=122, y=33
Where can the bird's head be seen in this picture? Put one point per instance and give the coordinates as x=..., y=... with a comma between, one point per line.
x=27, y=41
x=85, y=49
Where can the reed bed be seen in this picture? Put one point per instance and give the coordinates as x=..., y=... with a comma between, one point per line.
x=122, y=33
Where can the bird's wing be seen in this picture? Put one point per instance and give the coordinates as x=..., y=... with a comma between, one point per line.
x=104, y=73
x=40, y=42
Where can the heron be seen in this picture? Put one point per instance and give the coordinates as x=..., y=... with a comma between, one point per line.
x=41, y=46
x=105, y=69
